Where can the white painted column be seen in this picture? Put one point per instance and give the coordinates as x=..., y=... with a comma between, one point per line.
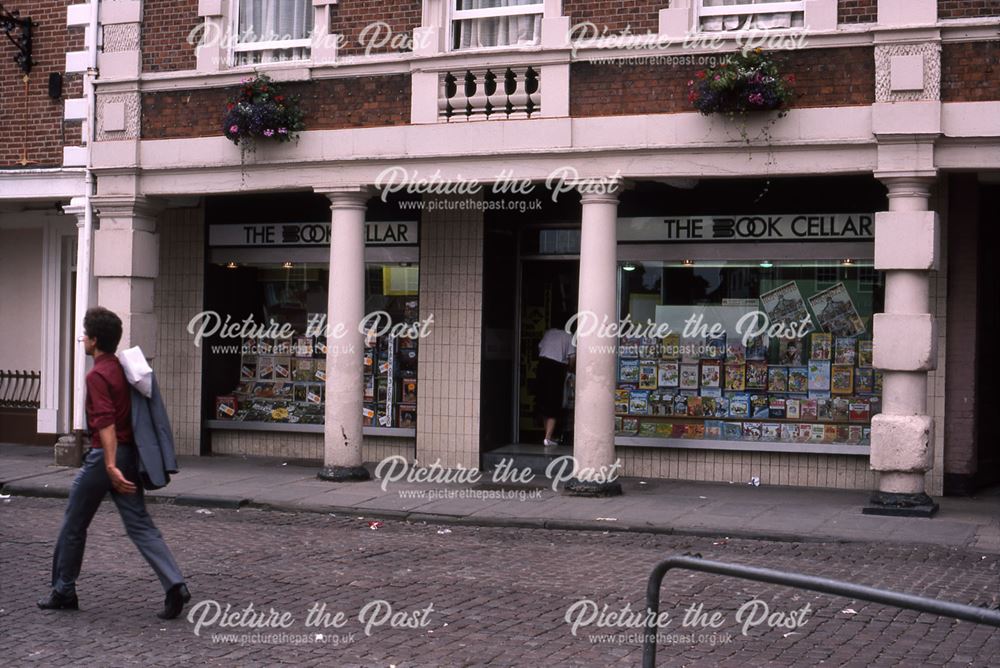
x=905, y=348
x=126, y=263
x=345, y=346
x=594, y=416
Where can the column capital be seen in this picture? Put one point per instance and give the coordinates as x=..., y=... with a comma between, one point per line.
x=126, y=212
x=347, y=197
x=908, y=191
x=601, y=190
x=77, y=208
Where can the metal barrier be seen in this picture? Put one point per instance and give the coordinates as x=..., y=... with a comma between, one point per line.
x=19, y=389
x=908, y=601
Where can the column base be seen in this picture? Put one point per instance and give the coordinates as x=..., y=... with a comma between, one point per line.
x=69, y=451
x=344, y=474
x=900, y=505
x=576, y=487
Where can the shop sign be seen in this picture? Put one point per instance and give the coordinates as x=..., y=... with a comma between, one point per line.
x=396, y=233
x=785, y=227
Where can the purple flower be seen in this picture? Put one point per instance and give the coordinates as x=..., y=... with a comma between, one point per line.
x=269, y=132
x=755, y=98
x=282, y=131
x=234, y=129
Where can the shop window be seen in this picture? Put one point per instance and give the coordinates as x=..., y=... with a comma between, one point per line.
x=282, y=379
x=790, y=361
x=272, y=30
x=734, y=15
x=477, y=24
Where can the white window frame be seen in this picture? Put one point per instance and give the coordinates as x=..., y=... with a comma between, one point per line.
x=454, y=15
x=237, y=47
x=747, y=8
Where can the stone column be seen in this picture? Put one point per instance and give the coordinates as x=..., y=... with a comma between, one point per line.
x=345, y=345
x=905, y=348
x=126, y=262
x=594, y=419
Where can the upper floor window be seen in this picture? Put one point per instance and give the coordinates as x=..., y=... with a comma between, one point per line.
x=478, y=24
x=727, y=15
x=273, y=30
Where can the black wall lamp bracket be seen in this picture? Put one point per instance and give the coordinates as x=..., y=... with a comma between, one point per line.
x=18, y=31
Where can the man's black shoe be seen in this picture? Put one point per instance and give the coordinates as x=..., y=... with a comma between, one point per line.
x=57, y=601
x=177, y=596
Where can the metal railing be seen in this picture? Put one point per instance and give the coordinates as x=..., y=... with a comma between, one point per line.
x=966, y=613
x=19, y=389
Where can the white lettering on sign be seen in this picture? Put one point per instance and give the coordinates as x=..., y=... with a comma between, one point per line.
x=394, y=233
x=793, y=227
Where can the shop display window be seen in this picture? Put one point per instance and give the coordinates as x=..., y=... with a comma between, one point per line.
x=282, y=379
x=768, y=352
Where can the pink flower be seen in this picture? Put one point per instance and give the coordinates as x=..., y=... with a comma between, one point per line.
x=282, y=131
x=269, y=132
x=233, y=129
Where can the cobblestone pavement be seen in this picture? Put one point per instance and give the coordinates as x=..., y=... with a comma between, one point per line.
x=499, y=596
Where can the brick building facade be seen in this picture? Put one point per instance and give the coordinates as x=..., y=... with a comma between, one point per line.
x=893, y=116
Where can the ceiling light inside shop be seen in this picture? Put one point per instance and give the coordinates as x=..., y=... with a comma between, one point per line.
x=688, y=263
x=628, y=266
x=231, y=265
x=766, y=264
x=847, y=262
x=288, y=265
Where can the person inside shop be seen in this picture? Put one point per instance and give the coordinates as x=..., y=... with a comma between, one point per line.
x=556, y=357
x=110, y=465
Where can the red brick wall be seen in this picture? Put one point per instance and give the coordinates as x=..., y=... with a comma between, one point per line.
x=857, y=11
x=34, y=123
x=166, y=25
x=970, y=71
x=350, y=17
x=967, y=9
x=329, y=104
x=641, y=16
x=824, y=78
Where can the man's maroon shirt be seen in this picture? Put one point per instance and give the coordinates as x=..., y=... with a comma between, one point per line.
x=109, y=400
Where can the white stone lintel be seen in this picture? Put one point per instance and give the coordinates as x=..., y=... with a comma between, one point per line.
x=907, y=240
x=901, y=443
x=904, y=341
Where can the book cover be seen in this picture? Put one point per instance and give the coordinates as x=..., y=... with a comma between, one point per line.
x=680, y=405
x=736, y=352
x=689, y=377
x=760, y=406
x=777, y=409
x=792, y=409
x=732, y=431
x=789, y=432
x=859, y=411
x=638, y=402
x=715, y=347
x=757, y=348
x=282, y=368
x=284, y=391
x=843, y=434
x=265, y=346
x=798, y=379
x=649, y=347
x=621, y=401
x=708, y=406
x=369, y=387
x=713, y=430
x=785, y=304
x=739, y=406
x=790, y=351
x=408, y=415
x=409, y=392
x=618, y=425
x=661, y=404
x=630, y=426
x=808, y=409
x=817, y=433
x=628, y=371
x=835, y=311
x=842, y=379
x=248, y=371
x=265, y=367
x=819, y=376
x=303, y=346
x=226, y=407
x=866, y=436
x=302, y=369
x=664, y=429
x=711, y=374
x=319, y=346
x=319, y=370
x=804, y=433
x=735, y=376
x=756, y=375
x=694, y=431
x=647, y=375
x=879, y=381
x=629, y=348
x=865, y=353
x=777, y=379
x=839, y=409
x=694, y=407
x=770, y=432
x=670, y=348
x=844, y=350
x=854, y=434
x=647, y=429
x=752, y=431
x=820, y=346
x=829, y=433
x=669, y=374
x=721, y=407
x=263, y=390
x=864, y=380
x=823, y=410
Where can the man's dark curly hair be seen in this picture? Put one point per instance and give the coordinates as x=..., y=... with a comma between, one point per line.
x=101, y=324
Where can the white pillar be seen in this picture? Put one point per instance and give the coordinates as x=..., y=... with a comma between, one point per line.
x=345, y=345
x=907, y=246
x=594, y=419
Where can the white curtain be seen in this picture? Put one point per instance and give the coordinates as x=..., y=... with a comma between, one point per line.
x=499, y=31
x=748, y=21
x=269, y=20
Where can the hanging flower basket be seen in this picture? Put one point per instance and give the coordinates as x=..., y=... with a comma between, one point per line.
x=262, y=112
x=740, y=84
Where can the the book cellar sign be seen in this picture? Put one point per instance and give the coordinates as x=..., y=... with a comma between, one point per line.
x=396, y=233
x=785, y=227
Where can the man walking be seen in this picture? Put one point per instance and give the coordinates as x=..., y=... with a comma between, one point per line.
x=111, y=465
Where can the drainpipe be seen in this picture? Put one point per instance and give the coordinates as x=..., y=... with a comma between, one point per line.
x=84, y=250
